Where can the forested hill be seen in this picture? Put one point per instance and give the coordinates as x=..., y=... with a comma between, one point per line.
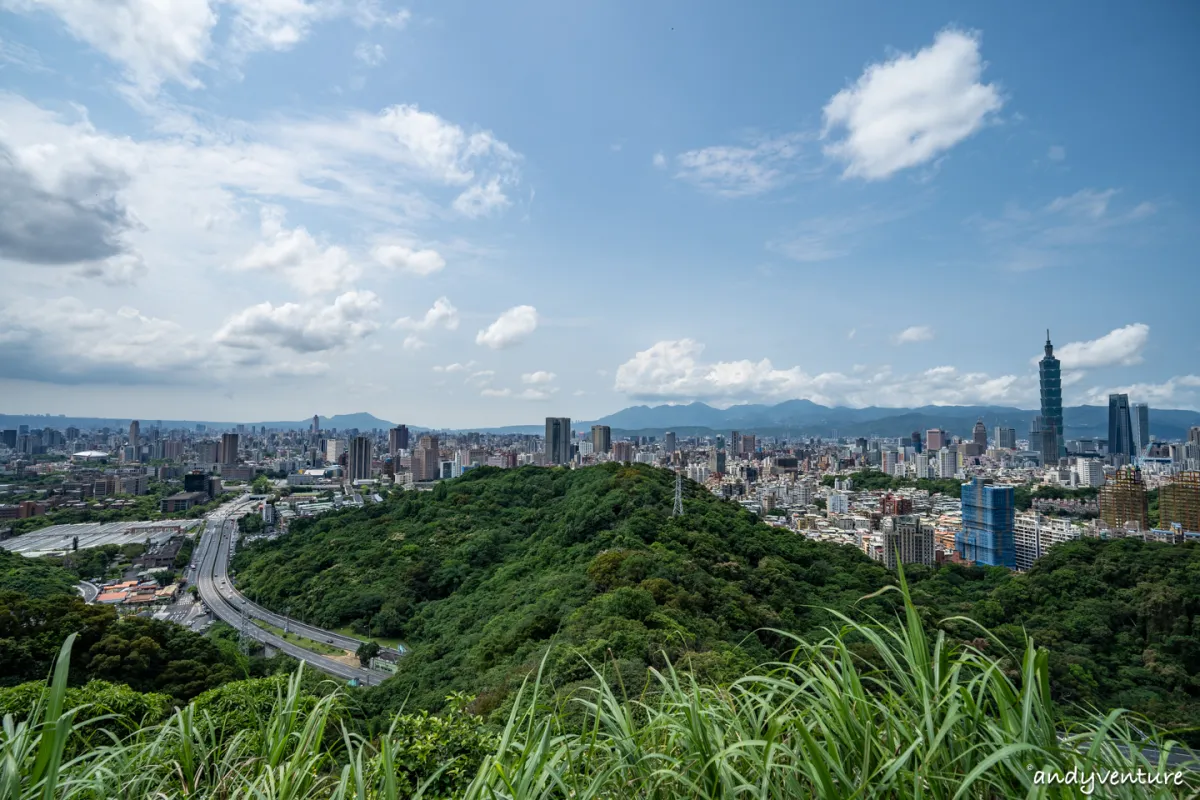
x=478, y=576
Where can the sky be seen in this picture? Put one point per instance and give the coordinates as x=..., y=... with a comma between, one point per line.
x=469, y=214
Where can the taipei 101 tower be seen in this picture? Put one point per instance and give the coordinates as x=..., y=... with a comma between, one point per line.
x=1050, y=378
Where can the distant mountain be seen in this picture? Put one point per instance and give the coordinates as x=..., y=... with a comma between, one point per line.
x=361, y=420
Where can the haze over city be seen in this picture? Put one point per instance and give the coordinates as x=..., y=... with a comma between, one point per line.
x=462, y=215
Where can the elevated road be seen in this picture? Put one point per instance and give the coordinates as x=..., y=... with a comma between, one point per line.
x=211, y=561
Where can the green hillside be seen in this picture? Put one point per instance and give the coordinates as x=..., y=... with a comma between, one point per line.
x=33, y=576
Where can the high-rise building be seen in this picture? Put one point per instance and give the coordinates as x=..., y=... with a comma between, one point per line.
x=907, y=539
x=333, y=450
x=1090, y=472
x=935, y=439
x=979, y=435
x=1035, y=534
x=1179, y=502
x=1123, y=500
x=397, y=439
x=427, y=459
x=947, y=461
x=622, y=451
x=1120, y=430
x=916, y=442
x=228, y=452
x=735, y=442
x=359, y=462
x=601, y=439
x=1044, y=439
x=716, y=462
x=749, y=444
x=135, y=432
x=1139, y=419
x=1006, y=438
x=316, y=426
x=669, y=442
x=1050, y=382
x=558, y=440
x=987, y=524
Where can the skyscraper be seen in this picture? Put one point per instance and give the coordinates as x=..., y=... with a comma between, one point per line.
x=916, y=442
x=1120, y=431
x=135, y=432
x=935, y=439
x=1050, y=381
x=979, y=435
x=427, y=459
x=1044, y=439
x=907, y=539
x=1006, y=438
x=229, y=448
x=669, y=442
x=316, y=426
x=558, y=440
x=397, y=439
x=359, y=463
x=601, y=439
x=1139, y=418
x=988, y=515
x=735, y=442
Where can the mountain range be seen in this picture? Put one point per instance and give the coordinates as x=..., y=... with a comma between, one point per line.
x=789, y=418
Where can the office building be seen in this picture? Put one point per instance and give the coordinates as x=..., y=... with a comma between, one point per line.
x=735, y=442
x=1006, y=438
x=9, y=438
x=1179, y=502
x=228, y=452
x=987, y=535
x=602, y=439
x=1120, y=430
x=1123, y=500
x=426, y=459
x=358, y=465
x=1050, y=383
x=334, y=448
x=135, y=432
x=622, y=451
x=558, y=440
x=716, y=462
x=935, y=439
x=916, y=442
x=907, y=539
x=669, y=442
x=947, y=462
x=749, y=444
x=1139, y=419
x=979, y=436
x=397, y=439
x=1044, y=439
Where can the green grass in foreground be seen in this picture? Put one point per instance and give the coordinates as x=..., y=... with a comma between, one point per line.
x=871, y=711
x=307, y=644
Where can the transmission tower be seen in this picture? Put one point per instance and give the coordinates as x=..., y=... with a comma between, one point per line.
x=677, y=511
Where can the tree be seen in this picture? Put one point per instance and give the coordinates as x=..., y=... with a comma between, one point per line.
x=366, y=651
x=262, y=485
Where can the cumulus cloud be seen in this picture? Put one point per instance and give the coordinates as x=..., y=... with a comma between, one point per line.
x=406, y=259
x=481, y=200
x=370, y=54
x=413, y=342
x=64, y=340
x=916, y=333
x=1120, y=347
x=496, y=393
x=441, y=314
x=307, y=328
x=1180, y=391
x=538, y=378
x=298, y=257
x=510, y=328
x=909, y=110
x=674, y=370
x=737, y=171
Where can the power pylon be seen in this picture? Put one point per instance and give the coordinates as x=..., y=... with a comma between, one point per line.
x=677, y=511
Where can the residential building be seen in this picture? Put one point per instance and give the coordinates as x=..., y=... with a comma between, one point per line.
x=907, y=539
x=987, y=524
x=1090, y=472
x=558, y=440
x=1179, y=501
x=749, y=444
x=716, y=462
x=669, y=442
x=1123, y=500
x=839, y=502
x=334, y=448
x=1034, y=534
x=1050, y=383
x=359, y=462
x=1006, y=438
x=228, y=452
x=947, y=461
x=426, y=459
x=622, y=451
x=735, y=442
x=1120, y=430
x=397, y=439
x=602, y=439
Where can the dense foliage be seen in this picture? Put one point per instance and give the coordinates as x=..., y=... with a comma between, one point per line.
x=876, y=481
x=479, y=575
x=33, y=577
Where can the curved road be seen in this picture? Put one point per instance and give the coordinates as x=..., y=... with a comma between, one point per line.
x=211, y=568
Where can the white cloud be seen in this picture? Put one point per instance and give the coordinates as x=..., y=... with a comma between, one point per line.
x=826, y=237
x=442, y=314
x=538, y=378
x=1180, y=391
x=414, y=342
x=659, y=161
x=909, y=110
x=496, y=393
x=675, y=371
x=734, y=171
x=481, y=200
x=538, y=394
x=372, y=13
x=1087, y=203
x=511, y=327
x=295, y=254
x=916, y=333
x=405, y=259
x=303, y=328
x=1120, y=347
x=455, y=367
x=370, y=54
x=851, y=333
x=1056, y=152
x=579, y=393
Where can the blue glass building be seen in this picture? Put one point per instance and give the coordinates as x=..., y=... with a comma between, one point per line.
x=988, y=514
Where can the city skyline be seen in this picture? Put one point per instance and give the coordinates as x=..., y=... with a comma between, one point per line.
x=327, y=204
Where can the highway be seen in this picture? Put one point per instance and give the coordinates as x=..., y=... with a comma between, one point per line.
x=211, y=578
x=89, y=590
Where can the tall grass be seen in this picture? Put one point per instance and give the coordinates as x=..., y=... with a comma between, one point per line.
x=870, y=711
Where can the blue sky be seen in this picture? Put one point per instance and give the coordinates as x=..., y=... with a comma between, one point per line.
x=475, y=214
